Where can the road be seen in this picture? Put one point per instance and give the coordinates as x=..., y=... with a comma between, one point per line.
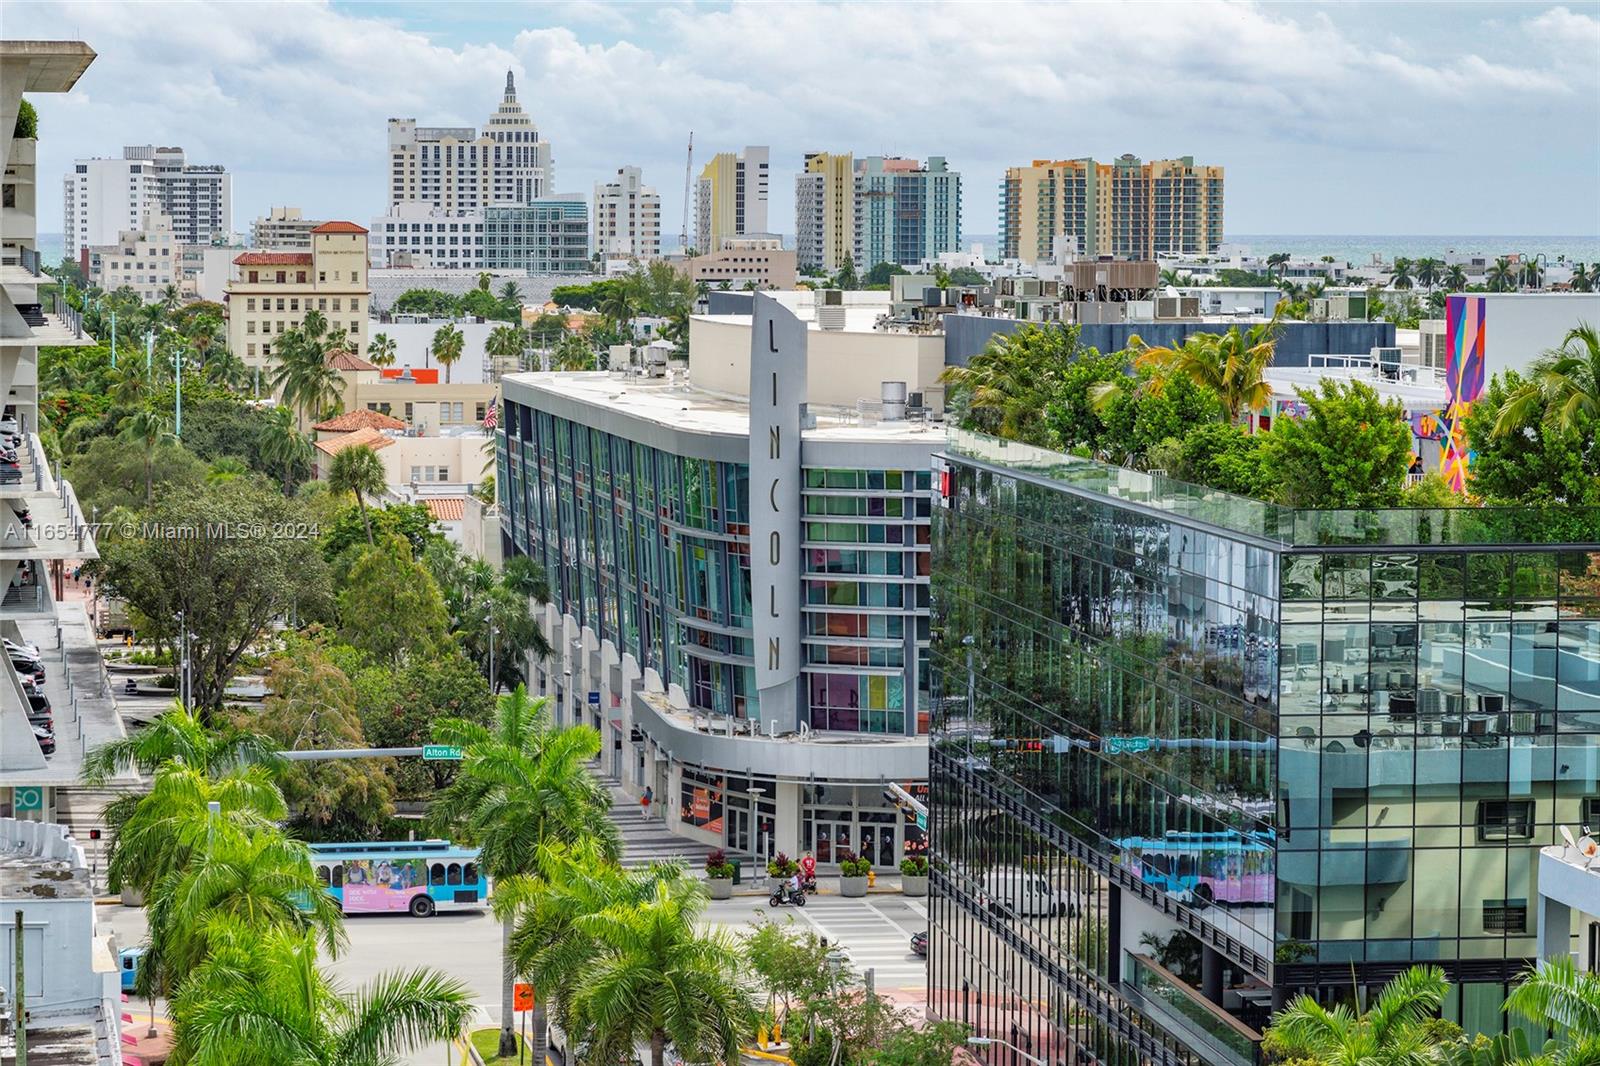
x=874, y=932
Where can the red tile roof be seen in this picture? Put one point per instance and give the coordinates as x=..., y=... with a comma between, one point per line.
x=267, y=259
x=338, y=227
x=342, y=359
x=366, y=435
x=362, y=418
x=446, y=508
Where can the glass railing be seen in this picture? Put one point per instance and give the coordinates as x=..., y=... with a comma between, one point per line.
x=1289, y=526
x=1182, y=1008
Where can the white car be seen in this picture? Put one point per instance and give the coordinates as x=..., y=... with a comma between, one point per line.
x=21, y=651
x=1015, y=893
x=9, y=425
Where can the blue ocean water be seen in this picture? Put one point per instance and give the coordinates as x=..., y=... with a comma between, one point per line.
x=1360, y=249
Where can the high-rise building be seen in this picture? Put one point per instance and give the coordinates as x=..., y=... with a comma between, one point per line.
x=1310, y=747
x=271, y=292
x=548, y=236
x=731, y=198
x=627, y=217
x=1127, y=209
x=145, y=260
x=738, y=596
x=825, y=211
x=456, y=168
x=44, y=525
x=906, y=212
x=283, y=229
x=101, y=198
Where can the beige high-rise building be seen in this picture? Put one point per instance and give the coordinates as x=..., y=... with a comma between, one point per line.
x=627, y=217
x=731, y=198
x=145, y=260
x=1128, y=209
x=283, y=229
x=271, y=292
x=825, y=211
x=455, y=168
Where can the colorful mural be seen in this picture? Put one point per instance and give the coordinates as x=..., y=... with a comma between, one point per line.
x=1463, y=371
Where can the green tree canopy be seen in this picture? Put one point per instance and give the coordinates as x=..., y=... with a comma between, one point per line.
x=1352, y=448
x=390, y=608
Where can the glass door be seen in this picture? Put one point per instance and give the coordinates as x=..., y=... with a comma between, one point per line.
x=877, y=845
x=739, y=831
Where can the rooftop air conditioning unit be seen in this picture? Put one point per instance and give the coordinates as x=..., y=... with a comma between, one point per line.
x=1168, y=307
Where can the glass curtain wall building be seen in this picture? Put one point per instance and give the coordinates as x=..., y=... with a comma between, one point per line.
x=1319, y=743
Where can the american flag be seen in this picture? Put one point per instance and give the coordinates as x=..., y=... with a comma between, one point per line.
x=492, y=418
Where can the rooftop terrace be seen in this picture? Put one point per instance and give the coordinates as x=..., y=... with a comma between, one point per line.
x=1277, y=525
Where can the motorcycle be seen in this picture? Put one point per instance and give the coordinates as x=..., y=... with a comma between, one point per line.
x=785, y=894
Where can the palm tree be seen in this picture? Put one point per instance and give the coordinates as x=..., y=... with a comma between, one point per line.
x=521, y=785
x=381, y=350
x=1400, y=274
x=1233, y=364
x=658, y=977
x=1393, y=1030
x=1562, y=386
x=169, y=298
x=178, y=736
x=448, y=344
x=1004, y=387
x=1428, y=271
x=283, y=447
x=226, y=369
x=227, y=468
x=148, y=429
x=1563, y=1000
x=303, y=376
x=485, y=279
x=1580, y=278
x=1277, y=261
x=1502, y=275
x=260, y=998
x=358, y=469
x=619, y=306
x=510, y=296
x=505, y=342
x=130, y=383
x=261, y=881
x=1455, y=278
x=1172, y=277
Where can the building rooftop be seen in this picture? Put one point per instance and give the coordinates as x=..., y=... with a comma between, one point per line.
x=1276, y=525
x=351, y=421
x=273, y=259
x=683, y=407
x=446, y=508
x=366, y=435
x=338, y=227
x=47, y=66
x=38, y=861
x=344, y=359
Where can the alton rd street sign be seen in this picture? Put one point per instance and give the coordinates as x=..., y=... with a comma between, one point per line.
x=441, y=753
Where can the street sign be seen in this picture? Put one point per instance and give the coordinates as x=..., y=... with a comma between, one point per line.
x=594, y=699
x=27, y=798
x=922, y=820
x=521, y=996
x=441, y=753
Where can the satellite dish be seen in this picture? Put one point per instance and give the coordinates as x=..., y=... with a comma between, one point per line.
x=1566, y=834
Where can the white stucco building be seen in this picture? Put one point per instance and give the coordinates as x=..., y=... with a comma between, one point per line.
x=103, y=197
x=456, y=168
x=146, y=259
x=627, y=217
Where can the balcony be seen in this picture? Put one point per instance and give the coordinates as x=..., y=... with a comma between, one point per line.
x=21, y=267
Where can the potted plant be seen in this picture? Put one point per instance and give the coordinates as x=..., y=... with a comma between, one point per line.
x=914, y=875
x=781, y=868
x=853, y=871
x=719, y=875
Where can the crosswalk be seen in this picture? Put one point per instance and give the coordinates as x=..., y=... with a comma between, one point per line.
x=874, y=933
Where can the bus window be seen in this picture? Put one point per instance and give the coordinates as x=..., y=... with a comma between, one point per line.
x=338, y=875
x=455, y=874
x=436, y=874
x=322, y=874
x=469, y=876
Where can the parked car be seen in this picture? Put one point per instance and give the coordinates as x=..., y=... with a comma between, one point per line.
x=8, y=424
x=919, y=943
x=46, y=738
x=28, y=668
x=24, y=649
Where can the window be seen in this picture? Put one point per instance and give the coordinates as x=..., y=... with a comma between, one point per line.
x=283, y=275
x=294, y=305
x=436, y=874
x=1505, y=820
x=250, y=349
x=300, y=276
x=336, y=303
x=1505, y=916
x=254, y=275
x=250, y=326
x=250, y=304
x=322, y=275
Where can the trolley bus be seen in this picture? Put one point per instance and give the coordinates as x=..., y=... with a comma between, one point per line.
x=415, y=876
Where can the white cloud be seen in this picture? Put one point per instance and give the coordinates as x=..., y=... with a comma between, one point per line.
x=1297, y=105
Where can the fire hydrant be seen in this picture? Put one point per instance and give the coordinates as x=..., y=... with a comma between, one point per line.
x=872, y=878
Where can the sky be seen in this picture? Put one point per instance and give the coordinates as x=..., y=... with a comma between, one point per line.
x=1388, y=118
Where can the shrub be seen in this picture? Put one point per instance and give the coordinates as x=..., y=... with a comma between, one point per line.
x=782, y=866
x=914, y=866
x=718, y=866
x=27, y=121
x=853, y=865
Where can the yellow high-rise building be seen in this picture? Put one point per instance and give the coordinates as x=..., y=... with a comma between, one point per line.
x=1127, y=209
x=825, y=211
x=731, y=198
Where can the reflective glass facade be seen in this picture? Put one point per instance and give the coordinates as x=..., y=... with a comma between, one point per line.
x=1313, y=755
x=651, y=550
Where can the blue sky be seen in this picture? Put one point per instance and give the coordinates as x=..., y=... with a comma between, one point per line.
x=1357, y=118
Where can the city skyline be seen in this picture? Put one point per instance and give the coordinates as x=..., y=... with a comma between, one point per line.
x=1284, y=98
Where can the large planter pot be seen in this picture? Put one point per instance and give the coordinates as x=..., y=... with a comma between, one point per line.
x=132, y=897
x=853, y=886
x=912, y=885
x=720, y=887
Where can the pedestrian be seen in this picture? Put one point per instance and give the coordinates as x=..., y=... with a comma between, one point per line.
x=645, y=801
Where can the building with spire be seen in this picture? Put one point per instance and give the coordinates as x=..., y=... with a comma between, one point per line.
x=456, y=168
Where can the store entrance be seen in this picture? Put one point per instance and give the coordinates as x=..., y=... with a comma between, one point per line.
x=877, y=846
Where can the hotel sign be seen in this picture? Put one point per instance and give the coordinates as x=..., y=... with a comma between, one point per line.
x=777, y=389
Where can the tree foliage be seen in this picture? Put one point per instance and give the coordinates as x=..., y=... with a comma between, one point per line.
x=1350, y=449
x=390, y=608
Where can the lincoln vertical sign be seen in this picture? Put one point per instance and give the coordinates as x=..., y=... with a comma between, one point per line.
x=777, y=389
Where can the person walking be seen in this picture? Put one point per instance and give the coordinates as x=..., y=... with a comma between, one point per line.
x=645, y=801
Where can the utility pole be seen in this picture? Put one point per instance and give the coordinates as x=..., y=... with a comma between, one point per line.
x=113, y=338
x=688, y=170
x=21, y=998
x=177, y=396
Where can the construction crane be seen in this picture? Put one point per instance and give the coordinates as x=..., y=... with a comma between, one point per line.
x=688, y=169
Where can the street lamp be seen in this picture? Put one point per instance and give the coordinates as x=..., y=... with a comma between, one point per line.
x=986, y=1041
